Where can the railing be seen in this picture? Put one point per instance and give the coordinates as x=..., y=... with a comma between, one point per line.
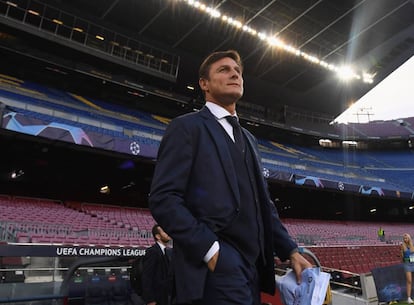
x=63, y=27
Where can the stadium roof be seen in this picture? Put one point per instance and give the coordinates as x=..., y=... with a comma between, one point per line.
x=374, y=36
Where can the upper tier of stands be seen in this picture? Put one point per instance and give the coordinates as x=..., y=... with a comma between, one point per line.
x=377, y=169
x=73, y=31
x=402, y=128
x=381, y=169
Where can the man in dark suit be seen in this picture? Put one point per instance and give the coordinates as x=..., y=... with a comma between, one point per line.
x=208, y=192
x=156, y=277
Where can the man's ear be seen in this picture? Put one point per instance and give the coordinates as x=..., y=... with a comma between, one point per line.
x=203, y=83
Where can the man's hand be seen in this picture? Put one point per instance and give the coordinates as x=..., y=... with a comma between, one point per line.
x=298, y=264
x=213, y=261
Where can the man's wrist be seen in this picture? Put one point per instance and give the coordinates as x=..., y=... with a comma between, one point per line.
x=296, y=250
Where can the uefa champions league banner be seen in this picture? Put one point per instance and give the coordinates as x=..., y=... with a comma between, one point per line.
x=367, y=190
x=138, y=146
x=390, y=283
x=16, y=250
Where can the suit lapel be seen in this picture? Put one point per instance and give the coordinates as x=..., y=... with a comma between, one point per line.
x=216, y=132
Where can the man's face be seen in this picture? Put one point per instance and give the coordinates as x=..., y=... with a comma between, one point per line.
x=163, y=237
x=225, y=83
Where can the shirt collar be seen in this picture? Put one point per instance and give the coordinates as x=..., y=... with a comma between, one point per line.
x=161, y=246
x=218, y=111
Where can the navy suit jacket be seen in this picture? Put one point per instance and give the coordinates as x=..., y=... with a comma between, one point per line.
x=156, y=277
x=194, y=195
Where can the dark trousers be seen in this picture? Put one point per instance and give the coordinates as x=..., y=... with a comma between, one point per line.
x=234, y=281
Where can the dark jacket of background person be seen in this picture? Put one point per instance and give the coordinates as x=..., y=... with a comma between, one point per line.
x=195, y=196
x=156, y=276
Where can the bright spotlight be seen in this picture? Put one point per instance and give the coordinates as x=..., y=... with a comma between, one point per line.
x=368, y=78
x=345, y=73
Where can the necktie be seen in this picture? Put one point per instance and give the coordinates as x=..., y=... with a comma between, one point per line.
x=238, y=136
x=167, y=255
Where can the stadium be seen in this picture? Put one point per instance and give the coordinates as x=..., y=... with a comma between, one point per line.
x=88, y=88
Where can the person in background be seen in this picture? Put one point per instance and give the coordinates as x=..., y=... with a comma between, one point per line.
x=208, y=192
x=407, y=250
x=156, y=279
x=381, y=234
